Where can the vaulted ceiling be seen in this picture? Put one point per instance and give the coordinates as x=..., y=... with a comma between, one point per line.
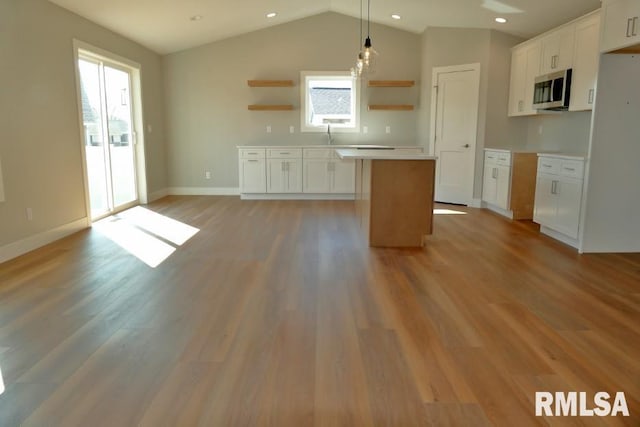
x=167, y=26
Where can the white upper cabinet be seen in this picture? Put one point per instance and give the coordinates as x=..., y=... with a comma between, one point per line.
x=620, y=25
x=585, y=63
x=557, y=49
x=525, y=67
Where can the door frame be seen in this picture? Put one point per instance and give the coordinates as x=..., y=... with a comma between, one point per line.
x=435, y=72
x=82, y=49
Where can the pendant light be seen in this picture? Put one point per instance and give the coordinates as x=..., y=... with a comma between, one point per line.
x=369, y=54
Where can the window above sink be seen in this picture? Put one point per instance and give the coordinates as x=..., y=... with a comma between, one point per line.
x=329, y=98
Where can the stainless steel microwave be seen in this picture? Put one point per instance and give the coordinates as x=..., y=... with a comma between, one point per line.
x=552, y=91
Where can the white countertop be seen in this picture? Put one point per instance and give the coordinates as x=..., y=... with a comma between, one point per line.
x=329, y=146
x=353, y=153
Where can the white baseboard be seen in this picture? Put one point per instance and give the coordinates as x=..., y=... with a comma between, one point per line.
x=559, y=236
x=297, y=196
x=157, y=195
x=475, y=203
x=15, y=249
x=203, y=191
x=498, y=210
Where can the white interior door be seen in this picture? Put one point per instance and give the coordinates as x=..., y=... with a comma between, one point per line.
x=454, y=121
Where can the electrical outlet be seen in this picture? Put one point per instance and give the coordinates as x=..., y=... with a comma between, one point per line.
x=29, y=212
x=292, y=129
x=387, y=129
x=207, y=175
x=268, y=128
x=365, y=129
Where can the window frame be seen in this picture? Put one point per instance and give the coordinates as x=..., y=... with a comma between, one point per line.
x=305, y=77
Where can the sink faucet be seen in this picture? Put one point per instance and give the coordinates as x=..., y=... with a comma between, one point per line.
x=329, y=137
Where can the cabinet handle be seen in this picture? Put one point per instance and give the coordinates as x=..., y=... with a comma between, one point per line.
x=629, y=25
x=553, y=186
x=520, y=105
x=553, y=62
x=546, y=166
x=494, y=173
x=635, y=21
x=285, y=152
x=590, y=98
x=252, y=161
x=570, y=169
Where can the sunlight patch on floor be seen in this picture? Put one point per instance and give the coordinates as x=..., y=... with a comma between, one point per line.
x=145, y=234
x=447, y=212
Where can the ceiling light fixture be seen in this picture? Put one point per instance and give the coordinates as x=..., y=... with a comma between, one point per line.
x=501, y=20
x=271, y=15
x=195, y=18
x=395, y=16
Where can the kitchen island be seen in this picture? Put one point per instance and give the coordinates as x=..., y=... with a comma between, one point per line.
x=394, y=196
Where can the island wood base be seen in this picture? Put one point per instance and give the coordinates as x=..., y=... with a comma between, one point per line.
x=394, y=201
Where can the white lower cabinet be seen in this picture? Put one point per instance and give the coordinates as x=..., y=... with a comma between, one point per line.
x=325, y=173
x=509, y=181
x=252, y=171
x=559, y=194
x=284, y=176
x=297, y=172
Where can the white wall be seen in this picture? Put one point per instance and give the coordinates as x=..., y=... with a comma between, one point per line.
x=207, y=93
x=612, y=208
x=40, y=137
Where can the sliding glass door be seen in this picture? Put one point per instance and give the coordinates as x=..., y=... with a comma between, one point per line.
x=109, y=137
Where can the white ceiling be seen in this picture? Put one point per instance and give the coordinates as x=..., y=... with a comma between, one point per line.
x=165, y=25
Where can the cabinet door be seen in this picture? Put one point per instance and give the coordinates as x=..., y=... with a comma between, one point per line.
x=621, y=25
x=545, y=208
x=344, y=176
x=557, y=50
x=252, y=176
x=569, y=195
x=316, y=176
x=489, y=183
x=503, y=182
x=585, y=64
x=517, y=83
x=276, y=176
x=293, y=169
x=533, y=70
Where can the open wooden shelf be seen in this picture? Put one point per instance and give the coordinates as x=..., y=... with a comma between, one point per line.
x=397, y=107
x=270, y=83
x=391, y=83
x=266, y=107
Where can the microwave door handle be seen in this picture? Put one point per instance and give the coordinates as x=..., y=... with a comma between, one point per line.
x=552, y=93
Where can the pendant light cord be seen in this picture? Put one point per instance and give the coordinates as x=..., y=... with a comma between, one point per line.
x=368, y=17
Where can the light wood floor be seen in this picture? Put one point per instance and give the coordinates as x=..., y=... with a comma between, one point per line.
x=274, y=314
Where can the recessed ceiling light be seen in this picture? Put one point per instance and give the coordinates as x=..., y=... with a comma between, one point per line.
x=271, y=15
x=501, y=20
x=196, y=17
x=395, y=16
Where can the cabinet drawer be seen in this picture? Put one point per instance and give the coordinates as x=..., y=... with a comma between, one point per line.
x=549, y=165
x=490, y=157
x=572, y=168
x=318, y=153
x=284, y=153
x=504, y=159
x=252, y=153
